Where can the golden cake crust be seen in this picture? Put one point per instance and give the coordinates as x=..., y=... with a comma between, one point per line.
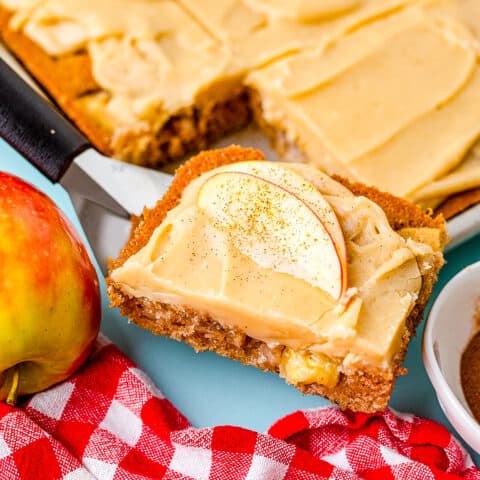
x=367, y=391
x=458, y=203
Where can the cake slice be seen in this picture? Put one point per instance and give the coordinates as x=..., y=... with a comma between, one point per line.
x=284, y=268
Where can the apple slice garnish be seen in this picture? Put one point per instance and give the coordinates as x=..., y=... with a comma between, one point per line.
x=275, y=227
x=294, y=182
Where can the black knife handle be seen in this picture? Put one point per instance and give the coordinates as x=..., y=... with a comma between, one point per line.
x=35, y=128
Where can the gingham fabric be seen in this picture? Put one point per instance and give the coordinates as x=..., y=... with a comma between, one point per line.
x=110, y=422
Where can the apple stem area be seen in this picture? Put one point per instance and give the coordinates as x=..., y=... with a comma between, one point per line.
x=13, y=392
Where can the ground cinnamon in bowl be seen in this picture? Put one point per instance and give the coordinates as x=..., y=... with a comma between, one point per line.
x=470, y=371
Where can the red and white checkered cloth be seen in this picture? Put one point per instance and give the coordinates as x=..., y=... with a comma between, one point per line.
x=110, y=422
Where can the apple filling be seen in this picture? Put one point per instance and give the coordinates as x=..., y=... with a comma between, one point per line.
x=288, y=256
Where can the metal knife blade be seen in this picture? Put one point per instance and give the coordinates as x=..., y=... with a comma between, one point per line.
x=105, y=193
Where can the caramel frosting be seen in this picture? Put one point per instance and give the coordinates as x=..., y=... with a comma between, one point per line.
x=149, y=55
x=395, y=104
x=155, y=57
x=191, y=260
x=261, y=31
x=383, y=92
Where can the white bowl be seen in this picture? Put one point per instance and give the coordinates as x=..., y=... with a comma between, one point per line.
x=449, y=327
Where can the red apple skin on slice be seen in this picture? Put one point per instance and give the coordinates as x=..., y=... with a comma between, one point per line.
x=275, y=227
x=50, y=304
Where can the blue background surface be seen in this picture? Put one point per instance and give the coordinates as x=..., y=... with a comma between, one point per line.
x=212, y=390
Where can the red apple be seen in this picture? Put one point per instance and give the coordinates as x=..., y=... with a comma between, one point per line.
x=50, y=307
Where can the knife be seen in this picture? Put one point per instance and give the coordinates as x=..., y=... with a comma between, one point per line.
x=105, y=192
